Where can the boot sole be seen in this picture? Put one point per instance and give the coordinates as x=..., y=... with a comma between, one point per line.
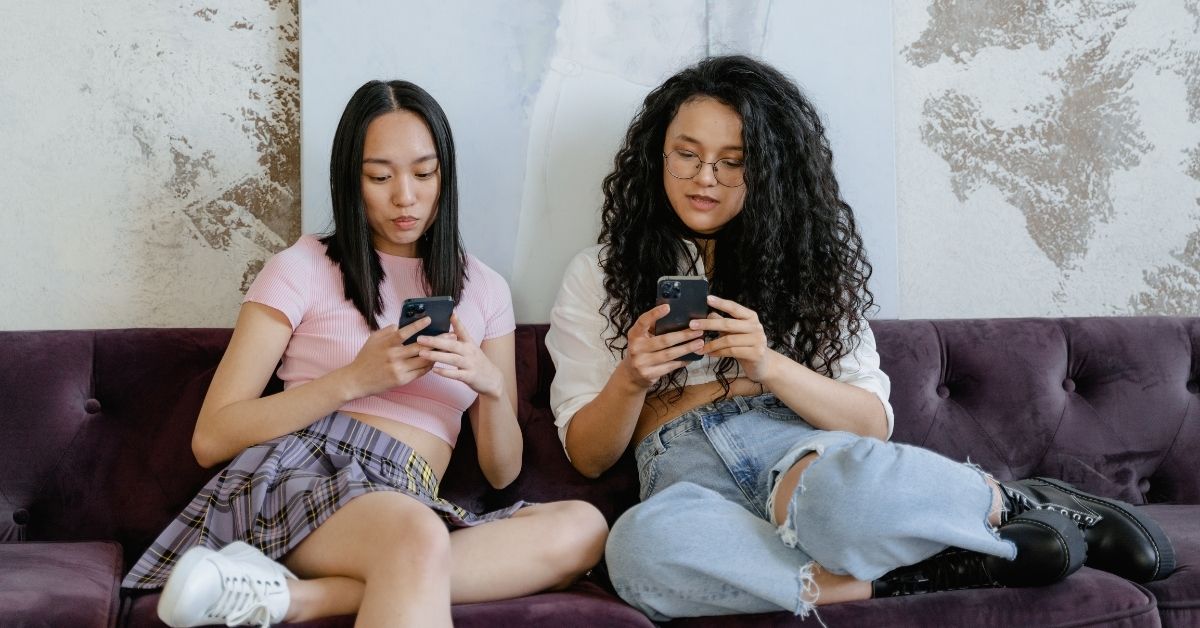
x=1163, y=550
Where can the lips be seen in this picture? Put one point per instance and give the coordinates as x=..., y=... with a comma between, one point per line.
x=405, y=223
x=702, y=202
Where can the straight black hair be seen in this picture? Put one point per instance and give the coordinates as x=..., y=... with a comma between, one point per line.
x=351, y=246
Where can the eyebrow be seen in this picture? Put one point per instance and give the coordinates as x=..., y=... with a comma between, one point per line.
x=387, y=162
x=688, y=138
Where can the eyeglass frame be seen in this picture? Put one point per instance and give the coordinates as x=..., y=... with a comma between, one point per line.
x=700, y=169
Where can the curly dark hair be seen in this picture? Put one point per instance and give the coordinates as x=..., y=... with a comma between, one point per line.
x=793, y=254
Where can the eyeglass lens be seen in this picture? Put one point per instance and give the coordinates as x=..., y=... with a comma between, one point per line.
x=728, y=172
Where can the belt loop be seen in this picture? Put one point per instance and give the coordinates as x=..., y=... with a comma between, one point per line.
x=742, y=404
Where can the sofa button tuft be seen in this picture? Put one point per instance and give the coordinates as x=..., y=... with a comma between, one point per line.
x=91, y=406
x=1193, y=387
x=1144, y=486
x=943, y=391
x=20, y=516
x=1069, y=385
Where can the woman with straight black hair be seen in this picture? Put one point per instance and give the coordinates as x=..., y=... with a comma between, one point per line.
x=330, y=504
x=767, y=481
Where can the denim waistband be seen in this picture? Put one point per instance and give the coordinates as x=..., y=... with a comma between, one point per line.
x=694, y=418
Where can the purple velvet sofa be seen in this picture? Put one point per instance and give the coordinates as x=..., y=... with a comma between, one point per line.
x=95, y=459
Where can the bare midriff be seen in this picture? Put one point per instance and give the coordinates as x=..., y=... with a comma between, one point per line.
x=434, y=450
x=657, y=411
x=663, y=407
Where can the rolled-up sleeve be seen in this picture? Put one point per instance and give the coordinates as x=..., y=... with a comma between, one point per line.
x=582, y=360
x=860, y=367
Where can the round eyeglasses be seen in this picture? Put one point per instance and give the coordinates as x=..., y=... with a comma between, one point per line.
x=684, y=164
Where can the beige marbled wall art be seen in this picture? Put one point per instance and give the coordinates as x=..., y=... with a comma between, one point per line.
x=1048, y=157
x=151, y=160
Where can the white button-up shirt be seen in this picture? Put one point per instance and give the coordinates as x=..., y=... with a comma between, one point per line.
x=583, y=363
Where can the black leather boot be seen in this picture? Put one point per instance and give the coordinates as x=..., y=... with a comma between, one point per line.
x=1120, y=539
x=1050, y=547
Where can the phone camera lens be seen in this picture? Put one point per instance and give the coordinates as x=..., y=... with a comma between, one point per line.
x=408, y=310
x=666, y=291
x=675, y=289
x=421, y=307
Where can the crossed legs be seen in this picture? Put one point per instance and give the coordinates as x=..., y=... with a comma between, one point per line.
x=390, y=559
x=857, y=510
x=838, y=588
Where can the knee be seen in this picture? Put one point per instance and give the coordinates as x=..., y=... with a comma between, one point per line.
x=575, y=539
x=845, y=489
x=632, y=543
x=645, y=537
x=410, y=537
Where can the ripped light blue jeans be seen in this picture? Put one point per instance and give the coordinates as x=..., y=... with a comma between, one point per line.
x=702, y=542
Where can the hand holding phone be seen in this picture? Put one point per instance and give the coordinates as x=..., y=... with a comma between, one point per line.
x=438, y=309
x=688, y=298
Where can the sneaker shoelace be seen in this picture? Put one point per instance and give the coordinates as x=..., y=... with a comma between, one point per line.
x=242, y=601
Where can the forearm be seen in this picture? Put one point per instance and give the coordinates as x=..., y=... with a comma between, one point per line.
x=498, y=439
x=601, y=430
x=826, y=403
x=222, y=433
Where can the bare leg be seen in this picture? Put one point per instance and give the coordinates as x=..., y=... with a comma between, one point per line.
x=394, y=548
x=997, y=502
x=786, y=486
x=835, y=588
x=542, y=547
x=545, y=546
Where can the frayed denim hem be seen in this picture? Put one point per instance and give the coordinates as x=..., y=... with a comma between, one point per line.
x=808, y=592
x=993, y=530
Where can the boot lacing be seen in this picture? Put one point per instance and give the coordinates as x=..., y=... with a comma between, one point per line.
x=1086, y=518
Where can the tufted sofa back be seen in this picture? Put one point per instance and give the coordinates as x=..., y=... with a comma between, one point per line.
x=1109, y=404
x=95, y=426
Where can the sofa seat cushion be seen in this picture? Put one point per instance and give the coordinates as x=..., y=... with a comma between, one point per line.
x=1179, y=594
x=59, y=584
x=584, y=604
x=1087, y=598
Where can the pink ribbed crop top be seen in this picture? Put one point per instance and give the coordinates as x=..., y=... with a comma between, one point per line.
x=327, y=332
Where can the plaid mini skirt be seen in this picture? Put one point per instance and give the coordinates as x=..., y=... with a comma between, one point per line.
x=275, y=494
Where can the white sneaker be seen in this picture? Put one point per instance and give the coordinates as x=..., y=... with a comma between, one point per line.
x=236, y=586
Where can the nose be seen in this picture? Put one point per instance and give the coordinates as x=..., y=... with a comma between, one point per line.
x=403, y=192
x=707, y=174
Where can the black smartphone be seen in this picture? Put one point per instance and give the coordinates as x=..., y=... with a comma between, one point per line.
x=438, y=309
x=688, y=296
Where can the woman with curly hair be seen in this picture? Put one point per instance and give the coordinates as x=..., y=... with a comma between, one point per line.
x=767, y=481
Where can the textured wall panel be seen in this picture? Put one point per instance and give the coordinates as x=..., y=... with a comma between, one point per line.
x=150, y=162
x=1048, y=157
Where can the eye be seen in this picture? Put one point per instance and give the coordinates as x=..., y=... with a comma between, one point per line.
x=687, y=154
x=423, y=176
x=732, y=164
x=377, y=179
